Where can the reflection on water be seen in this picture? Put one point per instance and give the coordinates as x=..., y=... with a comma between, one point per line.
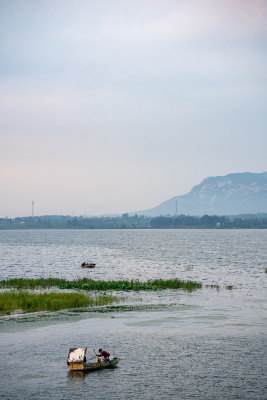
x=78, y=374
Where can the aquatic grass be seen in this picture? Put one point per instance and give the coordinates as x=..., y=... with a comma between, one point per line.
x=213, y=286
x=32, y=302
x=229, y=287
x=174, y=284
x=89, y=284
x=22, y=283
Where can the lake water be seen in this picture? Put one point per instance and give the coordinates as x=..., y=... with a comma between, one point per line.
x=207, y=344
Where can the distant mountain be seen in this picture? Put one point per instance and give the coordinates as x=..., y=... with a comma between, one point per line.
x=233, y=194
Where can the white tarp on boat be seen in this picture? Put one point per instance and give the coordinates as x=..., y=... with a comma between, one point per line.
x=77, y=354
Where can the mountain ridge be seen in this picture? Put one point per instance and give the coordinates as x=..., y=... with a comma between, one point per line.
x=231, y=194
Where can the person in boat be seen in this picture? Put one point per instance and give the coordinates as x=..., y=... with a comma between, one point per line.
x=83, y=264
x=104, y=354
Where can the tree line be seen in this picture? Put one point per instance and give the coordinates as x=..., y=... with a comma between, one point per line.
x=125, y=221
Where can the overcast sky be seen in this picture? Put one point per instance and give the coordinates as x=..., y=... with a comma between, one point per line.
x=115, y=106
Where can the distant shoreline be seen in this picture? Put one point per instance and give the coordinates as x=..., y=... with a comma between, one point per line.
x=246, y=221
x=129, y=229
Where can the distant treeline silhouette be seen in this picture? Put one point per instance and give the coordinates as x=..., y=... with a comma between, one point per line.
x=250, y=221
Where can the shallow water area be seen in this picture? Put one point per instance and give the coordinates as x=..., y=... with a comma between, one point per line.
x=205, y=344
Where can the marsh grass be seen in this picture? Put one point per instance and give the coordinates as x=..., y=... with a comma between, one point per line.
x=213, y=286
x=89, y=284
x=32, y=302
x=22, y=283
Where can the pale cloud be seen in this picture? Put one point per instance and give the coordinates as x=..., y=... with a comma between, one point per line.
x=175, y=21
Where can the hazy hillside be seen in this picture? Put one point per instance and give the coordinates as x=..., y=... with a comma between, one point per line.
x=233, y=194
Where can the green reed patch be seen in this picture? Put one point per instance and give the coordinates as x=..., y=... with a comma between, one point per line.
x=89, y=284
x=31, y=302
x=213, y=286
x=21, y=283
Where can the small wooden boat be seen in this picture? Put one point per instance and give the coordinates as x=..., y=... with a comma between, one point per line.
x=77, y=361
x=87, y=265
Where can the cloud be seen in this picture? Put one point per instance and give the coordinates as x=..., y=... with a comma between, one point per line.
x=53, y=35
x=166, y=22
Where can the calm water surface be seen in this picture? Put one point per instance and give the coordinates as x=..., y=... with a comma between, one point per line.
x=207, y=344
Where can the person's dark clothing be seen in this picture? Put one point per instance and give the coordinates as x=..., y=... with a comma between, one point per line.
x=104, y=354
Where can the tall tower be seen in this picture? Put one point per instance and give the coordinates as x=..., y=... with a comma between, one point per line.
x=32, y=208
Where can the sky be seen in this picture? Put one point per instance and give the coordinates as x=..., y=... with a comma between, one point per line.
x=114, y=106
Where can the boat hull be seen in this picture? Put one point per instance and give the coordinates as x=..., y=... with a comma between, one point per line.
x=88, y=266
x=84, y=367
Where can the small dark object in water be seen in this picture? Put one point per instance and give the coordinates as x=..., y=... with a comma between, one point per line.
x=87, y=265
